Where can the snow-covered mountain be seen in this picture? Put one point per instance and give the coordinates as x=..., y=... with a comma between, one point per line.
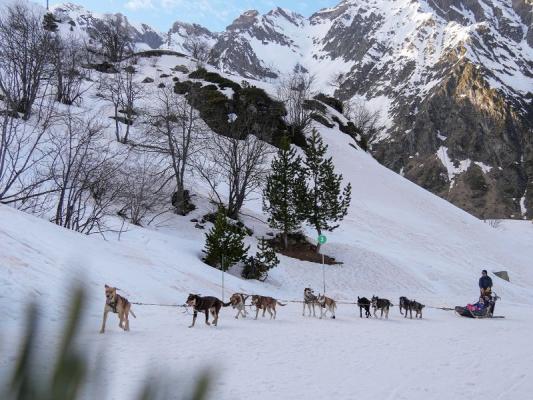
x=81, y=20
x=452, y=80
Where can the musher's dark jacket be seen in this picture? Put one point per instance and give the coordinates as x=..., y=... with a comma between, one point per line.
x=485, y=282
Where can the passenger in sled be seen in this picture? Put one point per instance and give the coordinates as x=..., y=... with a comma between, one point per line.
x=484, y=308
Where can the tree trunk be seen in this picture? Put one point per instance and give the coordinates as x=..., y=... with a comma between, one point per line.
x=285, y=240
x=117, y=126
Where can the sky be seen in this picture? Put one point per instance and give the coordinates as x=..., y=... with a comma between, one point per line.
x=213, y=14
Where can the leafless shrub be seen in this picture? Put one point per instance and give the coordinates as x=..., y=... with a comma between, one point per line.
x=143, y=189
x=113, y=36
x=234, y=167
x=131, y=93
x=366, y=121
x=122, y=92
x=177, y=133
x=24, y=57
x=199, y=49
x=22, y=152
x=84, y=170
x=68, y=54
x=493, y=223
x=293, y=90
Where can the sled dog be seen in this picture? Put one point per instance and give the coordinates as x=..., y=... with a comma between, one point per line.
x=417, y=308
x=363, y=303
x=404, y=304
x=238, y=301
x=310, y=300
x=206, y=305
x=326, y=304
x=381, y=304
x=118, y=305
x=266, y=304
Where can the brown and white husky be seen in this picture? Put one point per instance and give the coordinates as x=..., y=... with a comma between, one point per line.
x=118, y=305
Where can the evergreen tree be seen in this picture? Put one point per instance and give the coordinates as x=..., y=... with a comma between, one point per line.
x=284, y=189
x=265, y=259
x=224, y=243
x=325, y=203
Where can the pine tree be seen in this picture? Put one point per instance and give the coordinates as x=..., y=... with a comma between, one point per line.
x=224, y=243
x=284, y=189
x=324, y=204
x=266, y=255
x=265, y=259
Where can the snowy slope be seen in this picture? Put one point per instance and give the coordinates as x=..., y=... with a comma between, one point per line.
x=407, y=242
x=398, y=239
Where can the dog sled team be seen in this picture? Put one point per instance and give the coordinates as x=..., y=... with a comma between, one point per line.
x=209, y=305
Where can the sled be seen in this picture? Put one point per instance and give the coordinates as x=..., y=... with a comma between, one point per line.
x=485, y=313
x=465, y=312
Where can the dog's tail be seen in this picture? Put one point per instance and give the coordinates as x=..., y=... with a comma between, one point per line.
x=131, y=312
x=281, y=304
x=226, y=304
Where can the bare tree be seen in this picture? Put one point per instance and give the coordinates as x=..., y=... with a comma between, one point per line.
x=365, y=120
x=84, y=173
x=293, y=90
x=239, y=162
x=122, y=92
x=22, y=151
x=178, y=133
x=131, y=93
x=68, y=53
x=143, y=189
x=24, y=57
x=199, y=49
x=110, y=89
x=113, y=36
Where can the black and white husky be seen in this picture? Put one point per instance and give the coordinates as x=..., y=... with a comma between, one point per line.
x=310, y=300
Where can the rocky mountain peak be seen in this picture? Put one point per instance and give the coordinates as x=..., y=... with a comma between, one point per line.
x=244, y=21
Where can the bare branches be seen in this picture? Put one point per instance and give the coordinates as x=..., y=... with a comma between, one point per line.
x=293, y=90
x=199, y=49
x=113, y=37
x=24, y=57
x=237, y=165
x=122, y=92
x=67, y=54
x=131, y=93
x=84, y=171
x=365, y=120
x=178, y=134
x=141, y=190
x=22, y=153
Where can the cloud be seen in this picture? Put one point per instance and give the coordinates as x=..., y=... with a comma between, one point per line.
x=136, y=5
